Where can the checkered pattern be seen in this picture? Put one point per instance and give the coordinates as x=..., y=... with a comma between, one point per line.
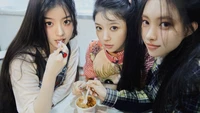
x=189, y=102
x=59, y=79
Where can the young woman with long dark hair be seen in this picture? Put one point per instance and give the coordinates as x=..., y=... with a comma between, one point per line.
x=41, y=62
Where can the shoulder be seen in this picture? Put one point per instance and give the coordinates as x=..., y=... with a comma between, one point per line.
x=95, y=42
x=95, y=46
x=25, y=57
x=22, y=64
x=191, y=74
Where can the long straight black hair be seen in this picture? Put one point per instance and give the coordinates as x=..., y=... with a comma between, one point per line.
x=30, y=35
x=124, y=10
x=134, y=53
x=176, y=68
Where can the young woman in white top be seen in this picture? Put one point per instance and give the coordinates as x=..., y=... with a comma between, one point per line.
x=41, y=62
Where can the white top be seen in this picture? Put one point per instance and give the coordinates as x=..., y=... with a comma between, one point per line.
x=25, y=81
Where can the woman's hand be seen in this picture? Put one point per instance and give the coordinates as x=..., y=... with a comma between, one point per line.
x=78, y=87
x=56, y=62
x=97, y=89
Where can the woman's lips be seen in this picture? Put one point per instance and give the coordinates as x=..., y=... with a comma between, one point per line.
x=152, y=46
x=58, y=41
x=107, y=46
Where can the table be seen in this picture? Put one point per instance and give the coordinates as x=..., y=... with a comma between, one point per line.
x=68, y=106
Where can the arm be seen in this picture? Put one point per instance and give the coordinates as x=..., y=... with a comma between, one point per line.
x=25, y=85
x=189, y=101
x=62, y=91
x=135, y=101
x=87, y=69
x=29, y=97
x=191, y=104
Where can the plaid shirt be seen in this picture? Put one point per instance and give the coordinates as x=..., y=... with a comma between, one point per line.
x=190, y=103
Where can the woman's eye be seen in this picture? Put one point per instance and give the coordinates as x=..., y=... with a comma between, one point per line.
x=114, y=28
x=145, y=23
x=98, y=28
x=48, y=23
x=165, y=24
x=67, y=22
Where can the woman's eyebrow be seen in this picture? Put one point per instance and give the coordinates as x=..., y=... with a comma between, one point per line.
x=166, y=17
x=47, y=18
x=62, y=18
x=144, y=16
x=67, y=17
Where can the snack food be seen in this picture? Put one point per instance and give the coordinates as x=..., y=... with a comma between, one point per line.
x=89, y=107
x=91, y=102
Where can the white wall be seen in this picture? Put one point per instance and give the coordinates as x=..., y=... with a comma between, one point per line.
x=9, y=26
x=86, y=33
x=10, y=23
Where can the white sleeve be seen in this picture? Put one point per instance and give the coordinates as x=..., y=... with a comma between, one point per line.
x=24, y=84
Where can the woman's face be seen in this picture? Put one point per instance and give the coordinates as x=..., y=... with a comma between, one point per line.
x=111, y=33
x=162, y=28
x=59, y=26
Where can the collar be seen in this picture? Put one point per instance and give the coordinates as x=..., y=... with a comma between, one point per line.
x=159, y=60
x=117, y=58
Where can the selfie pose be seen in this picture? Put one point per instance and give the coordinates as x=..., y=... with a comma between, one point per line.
x=171, y=33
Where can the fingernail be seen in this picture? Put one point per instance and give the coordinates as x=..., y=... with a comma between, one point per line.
x=95, y=78
x=80, y=87
x=59, y=43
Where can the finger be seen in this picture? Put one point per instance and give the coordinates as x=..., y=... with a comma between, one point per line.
x=76, y=91
x=59, y=44
x=64, y=47
x=64, y=51
x=93, y=89
x=91, y=82
x=93, y=92
x=92, y=86
x=57, y=51
x=57, y=54
x=82, y=86
x=96, y=82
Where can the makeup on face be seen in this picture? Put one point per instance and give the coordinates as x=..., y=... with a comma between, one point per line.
x=162, y=28
x=111, y=31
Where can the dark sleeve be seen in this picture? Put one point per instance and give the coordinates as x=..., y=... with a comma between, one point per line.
x=134, y=101
x=129, y=106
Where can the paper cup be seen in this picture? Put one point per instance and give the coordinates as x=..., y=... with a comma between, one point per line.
x=90, y=107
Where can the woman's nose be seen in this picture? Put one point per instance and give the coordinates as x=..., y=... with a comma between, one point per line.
x=151, y=34
x=60, y=31
x=106, y=36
